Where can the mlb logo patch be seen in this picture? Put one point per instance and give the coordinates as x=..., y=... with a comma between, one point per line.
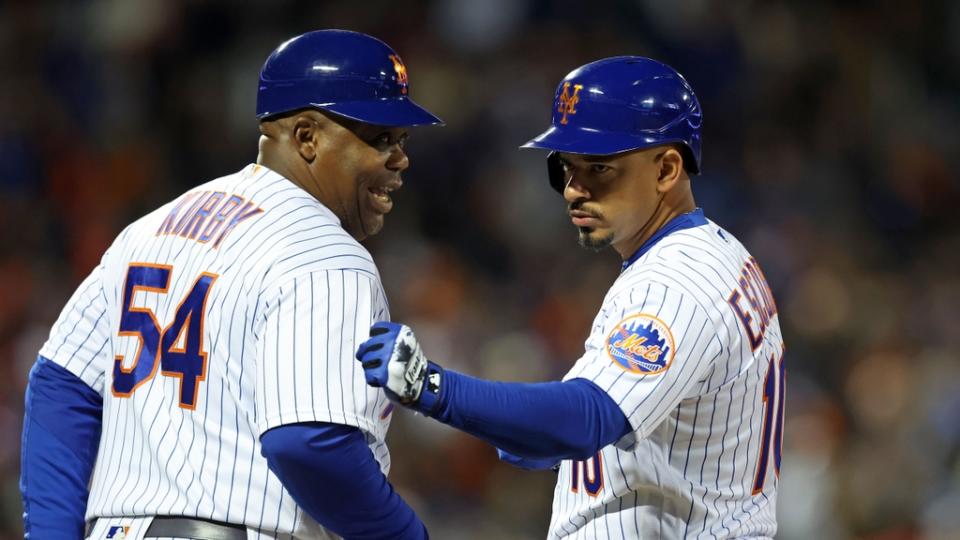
x=118, y=532
x=641, y=344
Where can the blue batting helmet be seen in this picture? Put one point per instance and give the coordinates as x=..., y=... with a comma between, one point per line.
x=347, y=73
x=620, y=104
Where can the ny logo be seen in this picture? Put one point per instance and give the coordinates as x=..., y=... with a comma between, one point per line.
x=401, y=72
x=568, y=102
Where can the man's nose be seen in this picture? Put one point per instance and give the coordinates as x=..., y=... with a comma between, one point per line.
x=574, y=190
x=398, y=160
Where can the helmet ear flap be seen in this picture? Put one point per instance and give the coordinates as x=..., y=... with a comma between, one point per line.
x=555, y=172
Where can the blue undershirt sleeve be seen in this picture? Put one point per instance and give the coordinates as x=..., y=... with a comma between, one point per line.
x=541, y=421
x=529, y=464
x=331, y=473
x=61, y=432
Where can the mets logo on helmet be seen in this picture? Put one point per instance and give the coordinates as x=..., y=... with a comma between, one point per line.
x=401, y=70
x=567, y=102
x=641, y=344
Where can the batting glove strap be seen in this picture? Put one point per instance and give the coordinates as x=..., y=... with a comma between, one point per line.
x=429, y=401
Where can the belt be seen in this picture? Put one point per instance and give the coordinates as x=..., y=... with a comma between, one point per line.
x=188, y=527
x=196, y=528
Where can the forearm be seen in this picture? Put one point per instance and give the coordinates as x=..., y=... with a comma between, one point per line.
x=566, y=420
x=562, y=420
x=331, y=473
x=61, y=433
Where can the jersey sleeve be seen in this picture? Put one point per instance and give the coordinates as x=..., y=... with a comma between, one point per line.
x=80, y=339
x=308, y=335
x=649, y=355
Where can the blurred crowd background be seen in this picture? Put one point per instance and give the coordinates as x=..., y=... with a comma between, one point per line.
x=831, y=149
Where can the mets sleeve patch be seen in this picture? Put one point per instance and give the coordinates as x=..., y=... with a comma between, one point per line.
x=641, y=344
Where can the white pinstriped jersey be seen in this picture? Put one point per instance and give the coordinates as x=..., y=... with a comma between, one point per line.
x=256, y=298
x=688, y=343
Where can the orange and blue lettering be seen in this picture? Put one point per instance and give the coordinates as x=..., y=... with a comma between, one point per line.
x=592, y=471
x=183, y=354
x=567, y=102
x=771, y=438
x=167, y=226
x=754, y=267
x=401, y=71
x=745, y=319
x=209, y=216
x=247, y=212
x=753, y=298
x=140, y=323
x=177, y=349
x=214, y=224
x=754, y=288
x=190, y=213
x=200, y=216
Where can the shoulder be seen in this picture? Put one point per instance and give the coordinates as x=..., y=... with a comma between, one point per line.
x=294, y=233
x=690, y=267
x=708, y=243
x=320, y=248
x=700, y=262
x=699, y=267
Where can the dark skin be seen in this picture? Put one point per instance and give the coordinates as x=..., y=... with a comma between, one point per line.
x=349, y=166
x=621, y=200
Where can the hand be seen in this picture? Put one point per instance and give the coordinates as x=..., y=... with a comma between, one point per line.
x=392, y=359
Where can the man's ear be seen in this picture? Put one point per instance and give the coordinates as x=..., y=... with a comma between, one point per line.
x=306, y=134
x=671, y=170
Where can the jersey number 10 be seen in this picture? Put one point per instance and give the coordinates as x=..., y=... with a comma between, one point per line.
x=177, y=348
x=774, y=390
x=592, y=471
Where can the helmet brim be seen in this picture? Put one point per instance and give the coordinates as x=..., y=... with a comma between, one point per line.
x=573, y=140
x=390, y=112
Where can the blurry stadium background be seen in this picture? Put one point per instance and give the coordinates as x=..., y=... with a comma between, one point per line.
x=831, y=149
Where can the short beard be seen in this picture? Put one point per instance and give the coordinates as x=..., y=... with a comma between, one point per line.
x=595, y=244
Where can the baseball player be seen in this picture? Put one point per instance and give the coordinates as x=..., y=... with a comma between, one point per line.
x=669, y=425
x=201, y=380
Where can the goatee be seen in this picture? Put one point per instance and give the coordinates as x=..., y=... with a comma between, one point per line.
x=595, y=244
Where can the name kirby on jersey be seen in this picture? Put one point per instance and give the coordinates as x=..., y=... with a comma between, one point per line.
x=205, y=218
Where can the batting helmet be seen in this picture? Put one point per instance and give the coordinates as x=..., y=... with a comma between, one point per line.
x=620, y=104
x=347, y=73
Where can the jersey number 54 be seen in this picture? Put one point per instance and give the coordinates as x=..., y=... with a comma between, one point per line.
x=177, y=347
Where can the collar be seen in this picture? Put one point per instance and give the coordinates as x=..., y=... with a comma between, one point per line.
x=689, y=220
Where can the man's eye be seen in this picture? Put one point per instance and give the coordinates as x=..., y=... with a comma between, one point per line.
x=385, y=140
x=599, y=168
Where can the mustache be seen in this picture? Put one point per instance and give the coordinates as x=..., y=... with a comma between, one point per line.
x=579, y=206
